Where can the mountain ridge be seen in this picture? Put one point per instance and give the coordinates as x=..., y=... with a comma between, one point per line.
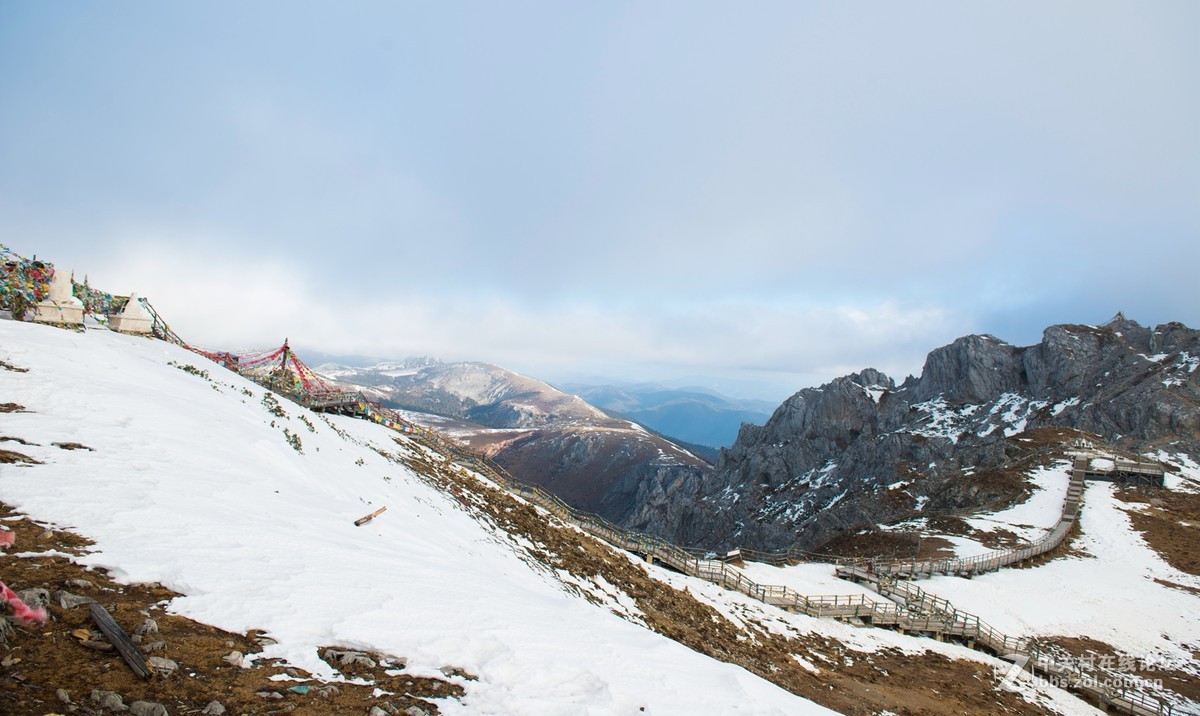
x=594, y=461
x=820, y=466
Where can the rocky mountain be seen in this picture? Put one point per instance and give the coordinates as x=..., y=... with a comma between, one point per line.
x=862, y=450
x=695, y=416
x=540, y=434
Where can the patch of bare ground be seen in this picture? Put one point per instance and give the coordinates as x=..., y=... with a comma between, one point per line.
x=72, y=446
x=12, y=457
x=12, y=408
x=36, y=661
x=1169, y=523
x=850, y=682
x=1181, y=587
x=1042, y=438
x=885, y=544
x=880, y=544
x=10, y=367
x=1107, y=656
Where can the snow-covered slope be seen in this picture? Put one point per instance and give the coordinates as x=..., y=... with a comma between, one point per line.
x=200, y=482
x=1115, y=589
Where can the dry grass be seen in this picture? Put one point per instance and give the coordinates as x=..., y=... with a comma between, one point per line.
x=42, y=659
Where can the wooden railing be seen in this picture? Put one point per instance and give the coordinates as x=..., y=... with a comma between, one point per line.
x=912, y=610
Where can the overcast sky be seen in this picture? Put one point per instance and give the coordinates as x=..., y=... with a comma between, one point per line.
x=757, y=196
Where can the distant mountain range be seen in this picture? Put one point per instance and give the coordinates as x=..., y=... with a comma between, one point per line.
x=542, y=435
x=693, y=415
x=479, y=392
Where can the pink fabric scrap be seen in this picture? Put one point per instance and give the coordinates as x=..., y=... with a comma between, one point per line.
x=22, y=610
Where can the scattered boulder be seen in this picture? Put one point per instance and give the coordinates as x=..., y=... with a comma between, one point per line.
x=63, y=695
x=398, y=662
x=35, y=597
x=109, y=700
x=67, y=600
x=348, y=658
x=149, y=626
x=214, y=708
x=147, y=708
x=165, y=667
x=234, y=658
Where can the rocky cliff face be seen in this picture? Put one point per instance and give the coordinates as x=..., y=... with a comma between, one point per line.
x=861, y=450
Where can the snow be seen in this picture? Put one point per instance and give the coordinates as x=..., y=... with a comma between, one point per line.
x=1110, y=595
x=190, y=484
x=942, y=421
x=809, y=579
x=1186, y=475
x=1059, y=407
x=1039, y=513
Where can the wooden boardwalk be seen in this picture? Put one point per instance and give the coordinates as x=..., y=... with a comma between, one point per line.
x=1088, y=464
x=907, y=608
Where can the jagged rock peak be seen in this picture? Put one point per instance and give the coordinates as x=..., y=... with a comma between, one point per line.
x=972, y=369
x=819, y=466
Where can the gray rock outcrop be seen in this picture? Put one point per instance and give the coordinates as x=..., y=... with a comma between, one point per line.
x=860, y=450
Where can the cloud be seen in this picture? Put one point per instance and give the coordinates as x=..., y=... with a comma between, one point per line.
x=791, y=190
x=245, y=299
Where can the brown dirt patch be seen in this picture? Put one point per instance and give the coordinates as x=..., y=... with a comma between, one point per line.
x=12, y=457
x=72, y=446
x=1169, y=523
x=1039, y=438
x=12, y=408
x=879, y=544
x=41, y=659
x=950, y=524
x=10, y=367
x=1181, y=587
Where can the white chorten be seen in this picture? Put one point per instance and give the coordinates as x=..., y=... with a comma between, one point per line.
x=60, y=307
x=132, y=319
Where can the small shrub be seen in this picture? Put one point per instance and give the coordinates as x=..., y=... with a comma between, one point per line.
x=294, y=440
x=189, y=368
x=272, y=405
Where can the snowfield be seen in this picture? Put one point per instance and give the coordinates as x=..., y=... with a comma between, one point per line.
x=191, y=481
x=1039, y=513
x=1111, y=594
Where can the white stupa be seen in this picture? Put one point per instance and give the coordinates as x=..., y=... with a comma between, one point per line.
x=60, y=307
x=132, y=319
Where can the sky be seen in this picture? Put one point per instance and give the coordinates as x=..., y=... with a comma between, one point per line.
x=753, y=197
